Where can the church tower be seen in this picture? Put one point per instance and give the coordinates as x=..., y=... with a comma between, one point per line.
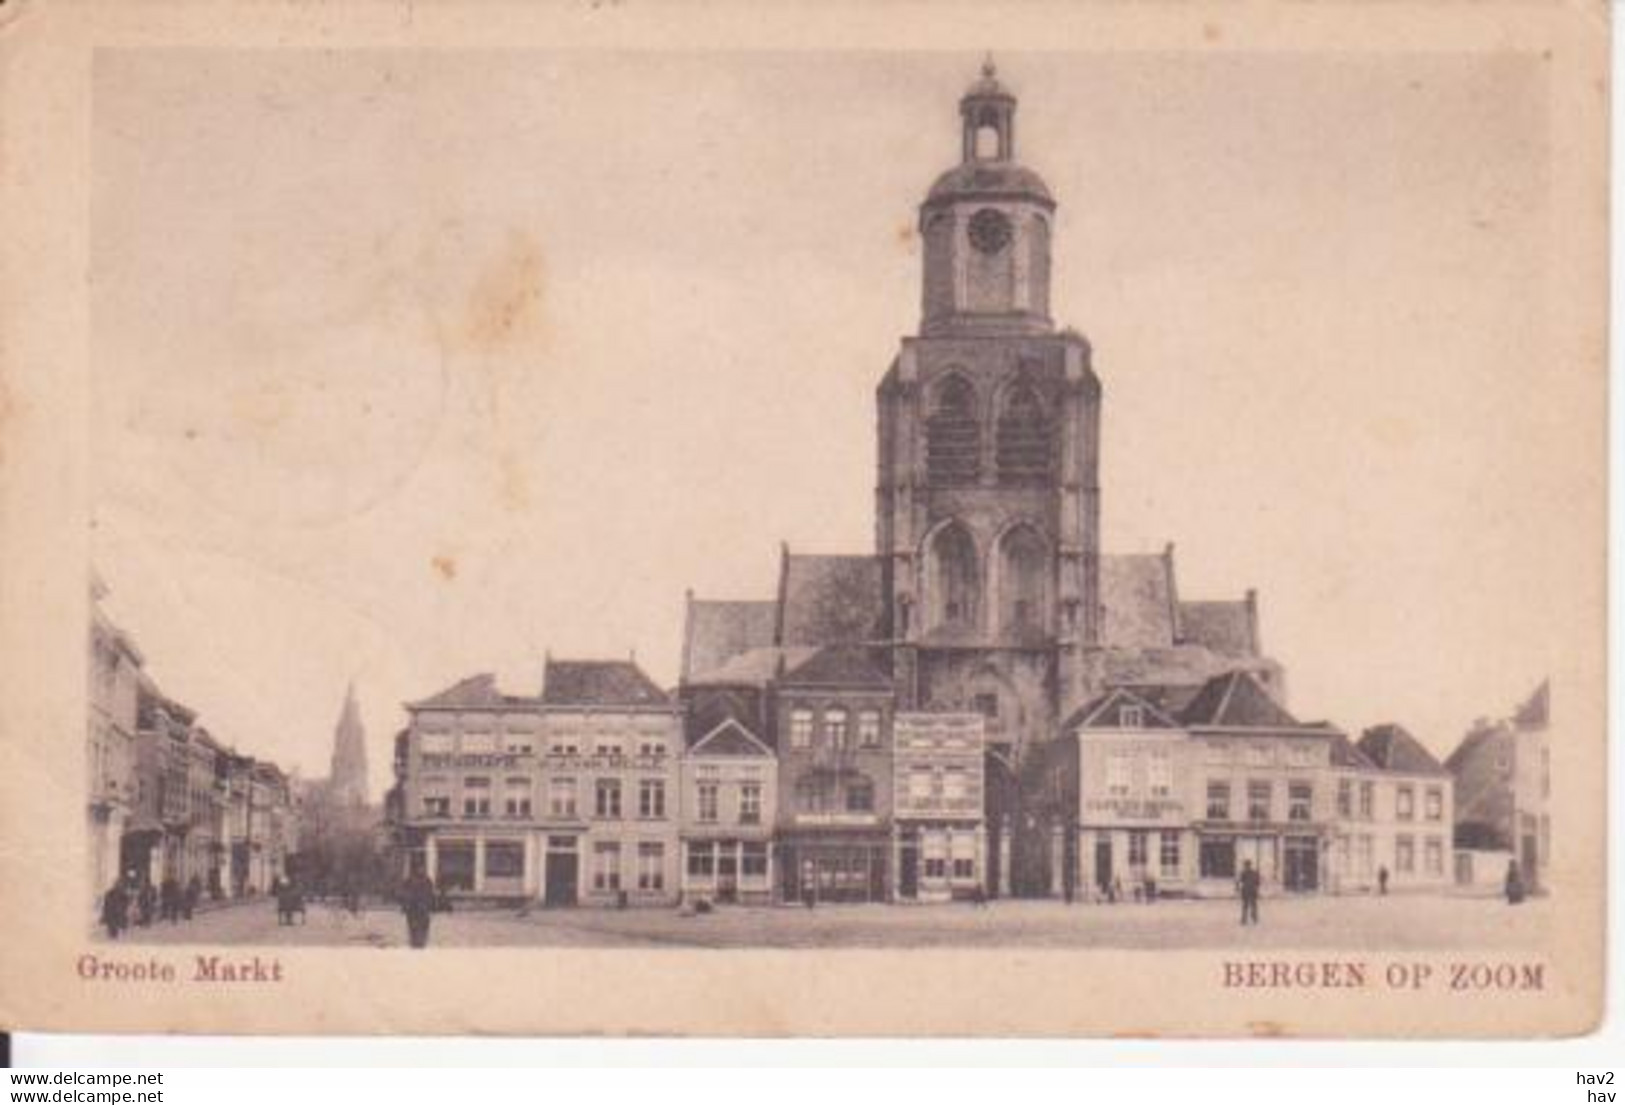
x=988, y=495
x=347, y=779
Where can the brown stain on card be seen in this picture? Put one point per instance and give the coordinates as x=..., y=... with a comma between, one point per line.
x=504, y=311
x=446, y=565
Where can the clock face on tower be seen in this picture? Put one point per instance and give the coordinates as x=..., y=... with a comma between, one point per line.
x=989, y=230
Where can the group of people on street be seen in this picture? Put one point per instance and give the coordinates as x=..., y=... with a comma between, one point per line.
x=133, y=901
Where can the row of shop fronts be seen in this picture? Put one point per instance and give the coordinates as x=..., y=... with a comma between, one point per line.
x=168, y=801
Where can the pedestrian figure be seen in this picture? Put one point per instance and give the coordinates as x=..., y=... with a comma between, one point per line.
x=1150, y=889
x=1514, y=883
x=1382, y=881
x=116, y=909
x=169, y=899
x=1248, y=884
x=809, y=885
x=978, y=896
x=417, y=902
x=194, y=891
x=289, y=901
x=146, y=902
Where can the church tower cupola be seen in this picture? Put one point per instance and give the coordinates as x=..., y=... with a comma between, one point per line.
x=986, y=228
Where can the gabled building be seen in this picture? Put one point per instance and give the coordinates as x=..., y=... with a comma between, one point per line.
x=938, y=806
x=729, y=803
x=1502, y=775
x=565, y=797
x=833, y=714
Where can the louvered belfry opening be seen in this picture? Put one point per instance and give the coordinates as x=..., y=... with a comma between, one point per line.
x=953, y=436
x=1024, y=438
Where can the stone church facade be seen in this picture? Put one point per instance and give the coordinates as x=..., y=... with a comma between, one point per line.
x=987, y=590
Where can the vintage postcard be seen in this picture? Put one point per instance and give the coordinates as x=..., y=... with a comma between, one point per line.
x=711, y=519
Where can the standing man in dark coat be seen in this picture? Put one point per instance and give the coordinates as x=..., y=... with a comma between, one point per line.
x=1248, y=882
x=1514, y=883
x=1382, y=881
x=194, y=891
x=116, y=909
x=417, y=902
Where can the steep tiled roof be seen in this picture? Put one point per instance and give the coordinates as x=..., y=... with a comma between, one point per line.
x=1345, y=754
x=1137, y=600
x=717, y=631
x=1224, y=627
x=1535, y=712
x=1237, y=700
x=1392, y=748
x=475, y=692
x=753, y=668
x=1106, y=712
x=839, y=666
x=599, y=683
x=829, y=600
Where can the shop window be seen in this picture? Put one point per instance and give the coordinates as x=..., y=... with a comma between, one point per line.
x=504, y=859
x=454, y=866
x=1168, y=854
x=702, y=859
x=606, y=865
x=1217, y=859
x=651, y=865
x=753, y=859
x=1137, y=849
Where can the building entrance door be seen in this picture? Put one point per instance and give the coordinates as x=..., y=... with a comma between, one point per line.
x=728, y=872
x=908, y=871
x=1103, y=865
x=563, y=868
x=1301, y=859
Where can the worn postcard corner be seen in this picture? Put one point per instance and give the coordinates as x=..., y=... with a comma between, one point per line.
x=640, y=520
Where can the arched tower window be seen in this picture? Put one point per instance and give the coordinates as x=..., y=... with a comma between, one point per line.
x=955, y=578
x=1024, y=437
x=953, y=438
x=1023, y=583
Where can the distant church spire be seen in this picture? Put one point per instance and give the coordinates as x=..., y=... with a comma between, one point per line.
x=348, y=778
